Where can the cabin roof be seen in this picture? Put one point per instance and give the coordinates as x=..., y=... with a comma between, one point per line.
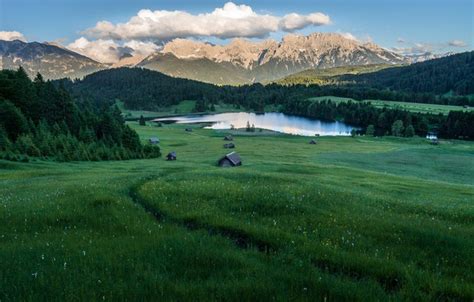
x=233, y=157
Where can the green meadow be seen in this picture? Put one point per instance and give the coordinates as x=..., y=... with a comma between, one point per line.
x=183, y=108
x=412, y=107
x=354, y=219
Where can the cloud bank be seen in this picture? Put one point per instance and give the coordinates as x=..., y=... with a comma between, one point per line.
x=12, y=35
x=428, y=48
x=457, y=43
x=230, y=21
x=107, y=42
x=109, y=51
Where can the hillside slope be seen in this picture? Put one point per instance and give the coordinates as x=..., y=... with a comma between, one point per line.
x=454, y=73
x=51, y=61
x=328, y=76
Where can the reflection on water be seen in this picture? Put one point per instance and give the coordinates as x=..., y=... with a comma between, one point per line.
x=271, y=121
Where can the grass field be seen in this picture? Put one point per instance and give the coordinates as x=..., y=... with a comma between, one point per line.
x=329, y=76
x=413, y=107
x=182, y=108
x=355, y=219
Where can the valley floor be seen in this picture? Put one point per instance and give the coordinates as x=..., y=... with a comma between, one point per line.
x=346, y=219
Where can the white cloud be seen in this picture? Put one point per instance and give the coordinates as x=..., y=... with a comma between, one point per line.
x=295, y=21
x=12, y=35
x=457, y=43
x=109, y=51
x=415, y=49
x=140, y=48
x=401, y=40
x=349, y=36
x=428, y=48
x=230, y=21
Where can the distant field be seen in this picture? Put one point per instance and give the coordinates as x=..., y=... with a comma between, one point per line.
x=413, y=107
x=184, y=107
x=181, y=108
x=353, y=219
x=329, y=75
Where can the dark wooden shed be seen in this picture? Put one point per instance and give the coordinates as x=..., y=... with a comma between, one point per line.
x=228, y=138
x=154, y=140
x=312, y=142
x=230, y=160
x=171, y=156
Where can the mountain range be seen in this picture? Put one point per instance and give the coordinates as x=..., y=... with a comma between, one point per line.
x=51, y=60
x=243, y=61
x=239, y=62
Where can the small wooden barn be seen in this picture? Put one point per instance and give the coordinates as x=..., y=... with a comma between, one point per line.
x=171, y=156
x=229, y=146
x=230, y=160
x=312, y=142
x=228, y=138
x=154, y=140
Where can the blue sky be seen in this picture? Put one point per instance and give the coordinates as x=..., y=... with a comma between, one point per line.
x=430, y=25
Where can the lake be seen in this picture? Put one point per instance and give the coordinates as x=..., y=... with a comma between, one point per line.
x=278, y=122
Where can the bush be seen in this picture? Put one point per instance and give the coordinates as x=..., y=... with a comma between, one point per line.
x=25, y=145
x=151, y=151
x=410, y=131
x=397, y=128
x=370, y=130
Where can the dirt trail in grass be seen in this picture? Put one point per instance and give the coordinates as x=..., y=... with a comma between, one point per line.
x=245, y=241
x=240, y=238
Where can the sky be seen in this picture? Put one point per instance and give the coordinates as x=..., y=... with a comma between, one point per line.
x=102, y=29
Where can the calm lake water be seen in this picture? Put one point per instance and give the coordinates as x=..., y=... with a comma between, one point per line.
x=271, y=121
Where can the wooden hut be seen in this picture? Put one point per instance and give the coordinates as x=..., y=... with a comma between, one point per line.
x=171, y=156
x=228, y=138
x=230, y=160
x=312, y=142
x=154, y=140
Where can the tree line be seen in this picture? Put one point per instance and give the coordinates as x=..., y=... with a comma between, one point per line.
x=40, y=119
x=142, y=89
x=384, y=121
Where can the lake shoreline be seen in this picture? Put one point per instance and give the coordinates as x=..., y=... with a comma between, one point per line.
x=270, y=121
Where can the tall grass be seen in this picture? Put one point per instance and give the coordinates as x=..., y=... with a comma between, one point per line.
x=347, y=219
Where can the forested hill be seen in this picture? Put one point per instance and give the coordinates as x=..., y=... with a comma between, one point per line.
x=139, y=88
x=441, y=81
x=38, y=119
x=449, y=74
